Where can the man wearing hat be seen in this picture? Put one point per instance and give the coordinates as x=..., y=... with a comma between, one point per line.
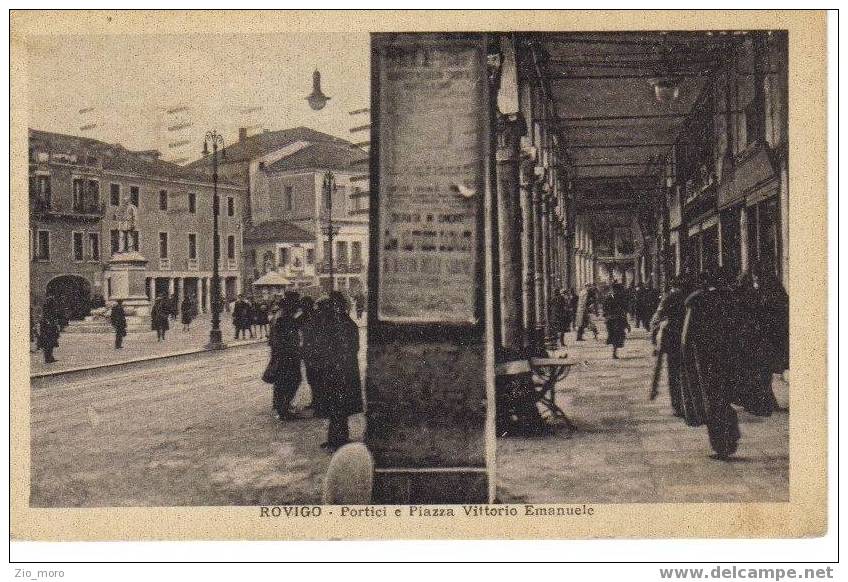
x=284, y=368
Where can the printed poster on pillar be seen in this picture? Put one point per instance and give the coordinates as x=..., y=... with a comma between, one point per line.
x=431, y=172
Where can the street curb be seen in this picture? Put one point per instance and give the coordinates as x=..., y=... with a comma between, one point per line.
x=51, y=374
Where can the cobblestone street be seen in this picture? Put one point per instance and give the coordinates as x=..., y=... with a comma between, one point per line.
x=628, y=449
x=197, y=430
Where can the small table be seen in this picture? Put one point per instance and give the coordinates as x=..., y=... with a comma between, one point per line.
x=547, y=372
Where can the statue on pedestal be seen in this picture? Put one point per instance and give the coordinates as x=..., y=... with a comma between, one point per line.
x=126, y=215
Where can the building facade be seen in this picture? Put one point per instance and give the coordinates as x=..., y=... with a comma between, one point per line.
x=77, y=186
x=286, y=173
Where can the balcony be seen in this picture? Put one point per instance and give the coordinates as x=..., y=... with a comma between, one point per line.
x=89, y=209
x=192, y=264
x=164, y=264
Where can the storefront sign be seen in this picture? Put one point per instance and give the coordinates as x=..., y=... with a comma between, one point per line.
x=431, y=177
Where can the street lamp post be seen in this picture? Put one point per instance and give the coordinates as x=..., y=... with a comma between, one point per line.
x=215, y=339
x=329, y=188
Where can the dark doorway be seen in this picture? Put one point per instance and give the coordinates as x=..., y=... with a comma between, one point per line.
x=731, y=250
x=73, y=294
x=709, y=249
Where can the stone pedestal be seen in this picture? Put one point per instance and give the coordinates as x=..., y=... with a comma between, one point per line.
x=126, y=271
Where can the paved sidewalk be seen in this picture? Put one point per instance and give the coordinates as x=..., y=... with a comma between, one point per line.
x=82, y=350
x=77, y=350
x=628, y=449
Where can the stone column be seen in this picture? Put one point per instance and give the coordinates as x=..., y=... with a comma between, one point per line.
x=528, y=254
x=509, y=132
x=743, y=238
x=546, y=258
x=541, y=303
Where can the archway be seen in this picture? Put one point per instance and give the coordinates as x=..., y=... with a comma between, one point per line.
x=73, y=295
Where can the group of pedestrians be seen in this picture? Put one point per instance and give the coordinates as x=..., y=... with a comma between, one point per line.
x=252, y=316
x=722, y=342
x=563, y=307
x=323, y=337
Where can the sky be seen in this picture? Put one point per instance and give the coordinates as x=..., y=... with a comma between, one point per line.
x=130, y=80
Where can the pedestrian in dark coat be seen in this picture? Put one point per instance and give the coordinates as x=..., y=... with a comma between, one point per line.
x=285, y=359
x=583, y=318
x=48, y=336
x=188, y=311
x=119, y=322
x=615, y=313
x=332, y=338
x=755, y=360
x=710, y=347
x=310, y=333
x=241, y=317
x=557, y=323
x=262, y=318
x=159, y=317
x=669, y=317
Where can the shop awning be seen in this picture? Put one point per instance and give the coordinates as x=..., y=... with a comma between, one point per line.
x=272, y=279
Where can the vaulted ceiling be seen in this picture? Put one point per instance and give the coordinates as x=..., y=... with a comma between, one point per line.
x=613, y=127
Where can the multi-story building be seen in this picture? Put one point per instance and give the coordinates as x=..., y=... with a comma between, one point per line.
x=76, y=187
x=286, y=171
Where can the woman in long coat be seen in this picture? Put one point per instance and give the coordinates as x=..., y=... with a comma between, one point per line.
x=332, y=338
x=48, y=336
x=557, y=324
x=285, y=359
x=159, y=318
x=188, y=312
x=615, y=313
x=754, y=360
x=710, y=347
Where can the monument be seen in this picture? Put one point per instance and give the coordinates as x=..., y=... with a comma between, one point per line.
x=127, y=268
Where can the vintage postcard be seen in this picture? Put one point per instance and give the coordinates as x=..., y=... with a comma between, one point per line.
x=390, y=275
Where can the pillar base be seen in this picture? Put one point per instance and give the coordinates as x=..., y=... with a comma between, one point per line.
x=216, y=341
x=431, y=486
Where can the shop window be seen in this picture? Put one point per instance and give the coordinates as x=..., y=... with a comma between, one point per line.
x=731, y=254
x=709, y=249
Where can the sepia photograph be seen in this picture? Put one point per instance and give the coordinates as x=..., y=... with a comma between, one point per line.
x=489, y=273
